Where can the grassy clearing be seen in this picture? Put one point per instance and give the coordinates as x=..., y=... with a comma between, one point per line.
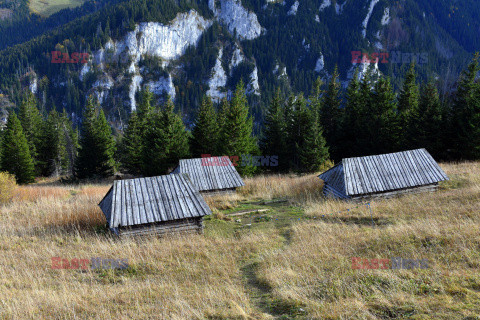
x=49, y=7
x=290, y=262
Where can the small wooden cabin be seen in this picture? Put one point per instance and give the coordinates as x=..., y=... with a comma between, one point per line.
x=154, y=205
x=211, y=175
x=383, y=175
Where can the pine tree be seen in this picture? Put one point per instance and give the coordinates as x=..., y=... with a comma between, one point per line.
x=274, y=142
x=16, y=157
x=331, y=114
x=97, y=146
x=237, y=132
x=32, y=123
x=205, y=132
x=165, y=141
x=465, y=128
x=408, y=107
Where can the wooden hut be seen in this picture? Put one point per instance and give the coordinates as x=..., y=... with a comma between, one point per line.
x=154, y=205
x=211, y=175
x=383, y=175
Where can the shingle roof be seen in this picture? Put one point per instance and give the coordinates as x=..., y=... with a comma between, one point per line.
x=385, y=172
x=213, y=173
x=149, y=200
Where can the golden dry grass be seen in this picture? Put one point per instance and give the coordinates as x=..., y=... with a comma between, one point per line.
x=299, y=271
x=8, y=185
x=315, y=272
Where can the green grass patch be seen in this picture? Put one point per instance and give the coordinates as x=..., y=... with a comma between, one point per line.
x=279, y=216
x=49, y=7
x=456, y=181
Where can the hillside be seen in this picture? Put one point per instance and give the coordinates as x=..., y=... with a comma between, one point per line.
x=187, y=49
x=46, y=8
x=291, y=262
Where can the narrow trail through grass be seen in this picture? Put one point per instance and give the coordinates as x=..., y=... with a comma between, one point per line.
x=280, y=217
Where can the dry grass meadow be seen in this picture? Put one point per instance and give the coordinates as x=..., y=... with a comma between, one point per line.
x=292, y=261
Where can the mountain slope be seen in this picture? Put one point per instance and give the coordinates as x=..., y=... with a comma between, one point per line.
x=189, y=48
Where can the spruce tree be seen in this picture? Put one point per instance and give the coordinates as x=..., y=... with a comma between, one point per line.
x=237, y=132
x=316, y=99
x=153, y=141
x=362, y=138
x=291, y=132
x=69, y=136
x=86, y=165
x=313, y=151
x=331, y=113
x=349, y=127
x=205, y=132
x=465, y=128
x=165, y=141
x=274, y=142
x=383, y=124
x=131, y=146
x=145, y=104
x=105, y=146
x=32, y=123
x=221, y=117
x=97, y=146
x=302, y=119
x=427, y=126
x=49, y=150
x=408, y=107
x=16, y=157
x=176, y=134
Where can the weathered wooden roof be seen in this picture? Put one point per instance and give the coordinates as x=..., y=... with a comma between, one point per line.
x=149, y=200
x=385, y=172
x=335, y=181
x=213, y=173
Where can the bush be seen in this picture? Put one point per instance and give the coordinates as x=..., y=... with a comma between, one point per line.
x=326, y=166
x=7, y=187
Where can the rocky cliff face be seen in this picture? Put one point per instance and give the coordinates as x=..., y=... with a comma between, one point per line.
x=267, y=43
x=218, y=80
x=238, y=19
x=168, y=43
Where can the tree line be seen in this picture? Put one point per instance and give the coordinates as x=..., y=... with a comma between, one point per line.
x=373, y=119
x=303, y=132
